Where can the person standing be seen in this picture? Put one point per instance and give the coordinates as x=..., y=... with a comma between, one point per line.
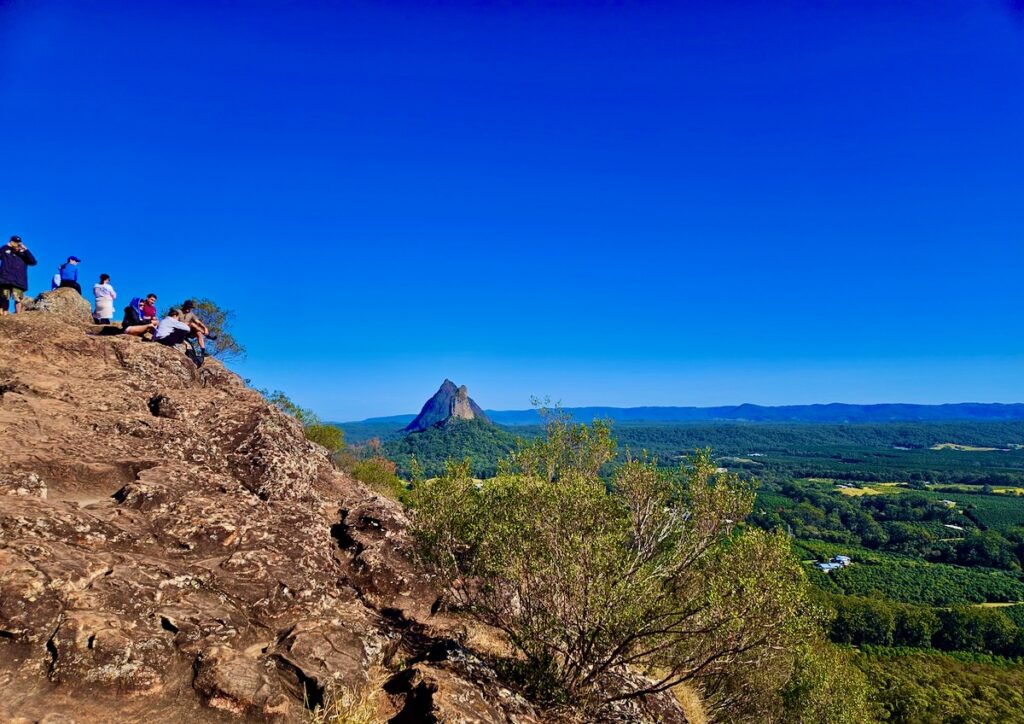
x=105, y=296
x=68, y=273
x=15, y=259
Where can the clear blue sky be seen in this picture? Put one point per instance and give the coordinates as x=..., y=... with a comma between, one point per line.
x=609, y=203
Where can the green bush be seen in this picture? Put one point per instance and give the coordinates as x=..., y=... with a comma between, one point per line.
x=330, y=436
x=379, y=473
x=589, y=577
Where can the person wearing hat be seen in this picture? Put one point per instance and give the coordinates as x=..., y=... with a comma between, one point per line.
x=68, y=274
x=199, y=330
x=15, y=259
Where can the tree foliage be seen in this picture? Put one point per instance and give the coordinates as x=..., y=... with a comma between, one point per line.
x=329, y=436
x=592, y=579
x=219, y=320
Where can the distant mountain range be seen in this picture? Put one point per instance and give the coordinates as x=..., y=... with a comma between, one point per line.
x=836, y=412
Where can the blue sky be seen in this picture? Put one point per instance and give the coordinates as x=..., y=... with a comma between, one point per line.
x=608, y=203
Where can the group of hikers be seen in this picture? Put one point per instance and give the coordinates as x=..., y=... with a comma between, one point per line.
x=181, y=325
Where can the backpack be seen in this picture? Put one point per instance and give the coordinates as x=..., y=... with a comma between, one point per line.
x=193, y=352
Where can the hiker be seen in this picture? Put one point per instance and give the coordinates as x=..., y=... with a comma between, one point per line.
x=172, y=330
x=68, y=274
x=149, y=307
x=134, y=323
x=105, y=296
x=200, y=331
x=15, y=259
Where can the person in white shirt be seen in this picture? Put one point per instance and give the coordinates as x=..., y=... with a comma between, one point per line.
x=172, y=330
x=105, y=296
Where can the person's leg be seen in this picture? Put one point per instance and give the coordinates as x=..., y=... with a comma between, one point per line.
x=5, y=296
x=137, y=330
x=19, y=294
x=177, y=336
x=198, y=334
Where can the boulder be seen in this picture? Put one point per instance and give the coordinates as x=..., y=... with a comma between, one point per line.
x=63, y=302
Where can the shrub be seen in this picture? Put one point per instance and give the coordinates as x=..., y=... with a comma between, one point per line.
x=330, y=436
x=379, y=473
x=592, y=578
x=826, y=686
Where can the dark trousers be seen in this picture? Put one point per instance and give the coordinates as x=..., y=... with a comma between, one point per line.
x=177, y=336
x=73, y=284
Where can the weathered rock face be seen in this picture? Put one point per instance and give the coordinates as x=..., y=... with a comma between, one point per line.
x=172, y=548
x=448, y=404
x=64, y=303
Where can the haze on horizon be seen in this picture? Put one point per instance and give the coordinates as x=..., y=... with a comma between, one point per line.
x=661, y=204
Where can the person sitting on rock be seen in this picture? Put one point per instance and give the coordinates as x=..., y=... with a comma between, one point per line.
x=134, y=323
x=149, y=307
x=201, y=331
x=68, y=274
x=105, y=296
x=15, y=259
x=171, y=330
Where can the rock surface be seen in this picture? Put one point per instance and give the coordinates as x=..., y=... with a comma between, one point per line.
x=448, y=404
x=172, y=548
x=63, y=302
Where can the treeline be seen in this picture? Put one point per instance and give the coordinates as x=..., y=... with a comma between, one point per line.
x=740, y=438
x=869, y=621
x=483, y=444
x=908, y=523
x=870, y=453
x=909, y=685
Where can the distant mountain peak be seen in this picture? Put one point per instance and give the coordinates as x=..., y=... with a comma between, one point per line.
x=449, y=403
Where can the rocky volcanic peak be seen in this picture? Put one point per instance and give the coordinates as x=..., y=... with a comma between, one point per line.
x=172, y=547
x=449, y=403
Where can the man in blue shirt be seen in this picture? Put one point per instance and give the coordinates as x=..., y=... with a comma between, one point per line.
x=69, y=274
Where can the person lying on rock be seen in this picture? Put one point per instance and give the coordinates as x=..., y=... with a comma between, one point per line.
x=15, y=259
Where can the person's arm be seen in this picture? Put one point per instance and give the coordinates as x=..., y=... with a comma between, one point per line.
x=27, y=257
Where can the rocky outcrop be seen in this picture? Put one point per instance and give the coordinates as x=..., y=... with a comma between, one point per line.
x=172, y=548
x=64, y=303
x=448, y=404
